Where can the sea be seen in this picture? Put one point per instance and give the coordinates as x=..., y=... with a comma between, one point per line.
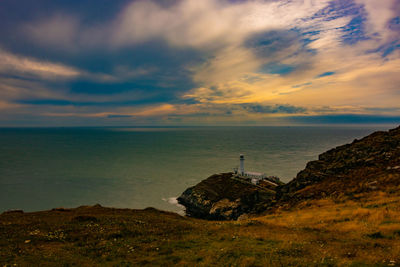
x=139, y=167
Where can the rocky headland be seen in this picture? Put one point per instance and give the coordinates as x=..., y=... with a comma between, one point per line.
x=372, y=163
x=341, y=210
x=224, y=197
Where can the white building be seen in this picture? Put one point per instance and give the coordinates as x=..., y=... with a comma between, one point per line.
x=254, y=176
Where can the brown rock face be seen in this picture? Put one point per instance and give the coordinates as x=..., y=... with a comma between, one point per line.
x=220, y=197
x=372, y=163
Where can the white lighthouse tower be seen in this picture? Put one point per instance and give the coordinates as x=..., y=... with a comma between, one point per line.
x=241, y=168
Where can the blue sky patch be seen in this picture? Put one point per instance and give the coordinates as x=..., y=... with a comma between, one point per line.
x=354, y=31
x=277, y=68
x=328, y=73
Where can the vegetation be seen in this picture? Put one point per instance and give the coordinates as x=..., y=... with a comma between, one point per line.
x=360, y=230
x=341, y=210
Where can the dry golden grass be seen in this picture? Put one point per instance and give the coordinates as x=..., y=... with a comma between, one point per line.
x=325, y=232
x=367, y=231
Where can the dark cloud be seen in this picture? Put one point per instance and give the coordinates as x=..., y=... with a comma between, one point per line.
x=337, y=9
x=278, y=45
x=345, y=119
x=169, y=64
x=275, y=109
x=273, y=43
x=64, y=102
x=378, y=109
x=15, y=15
x=118, y=116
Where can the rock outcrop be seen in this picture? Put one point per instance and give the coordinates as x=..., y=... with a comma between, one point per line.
x=221, y=197
x=372, y=163
x=369, y=164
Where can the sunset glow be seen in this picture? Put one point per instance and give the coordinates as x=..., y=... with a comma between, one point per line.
x=190, y=62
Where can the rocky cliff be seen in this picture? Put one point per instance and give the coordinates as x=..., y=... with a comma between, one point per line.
x=372, y=163
x=221, y=197
x=369, y=164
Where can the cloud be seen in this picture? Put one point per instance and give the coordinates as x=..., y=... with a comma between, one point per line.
x=208, y=24
x=117, y=116
x=276, y=109
x=222, y=29
x=379, y=14
x=210, y=60
x=10, y=63
x=60, y=31
x=325, y=49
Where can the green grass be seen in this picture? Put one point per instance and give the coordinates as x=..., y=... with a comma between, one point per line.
x=316, y=233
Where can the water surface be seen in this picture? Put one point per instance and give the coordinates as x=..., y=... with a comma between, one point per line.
x=43, y=168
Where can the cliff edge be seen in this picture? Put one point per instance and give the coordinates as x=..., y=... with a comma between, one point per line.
x=369, y=164
x=222, y=197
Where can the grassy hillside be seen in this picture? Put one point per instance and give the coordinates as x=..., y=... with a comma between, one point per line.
x=361, y=231
x=341, y=210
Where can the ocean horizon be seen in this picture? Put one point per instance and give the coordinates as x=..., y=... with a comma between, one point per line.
x=147, y=166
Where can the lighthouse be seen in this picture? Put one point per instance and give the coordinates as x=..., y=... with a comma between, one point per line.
x=241, y=168
x=255, y=177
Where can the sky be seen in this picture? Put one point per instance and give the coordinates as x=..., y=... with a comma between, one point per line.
x=191, y=62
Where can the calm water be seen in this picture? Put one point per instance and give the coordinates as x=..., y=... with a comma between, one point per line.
x=45, y=168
